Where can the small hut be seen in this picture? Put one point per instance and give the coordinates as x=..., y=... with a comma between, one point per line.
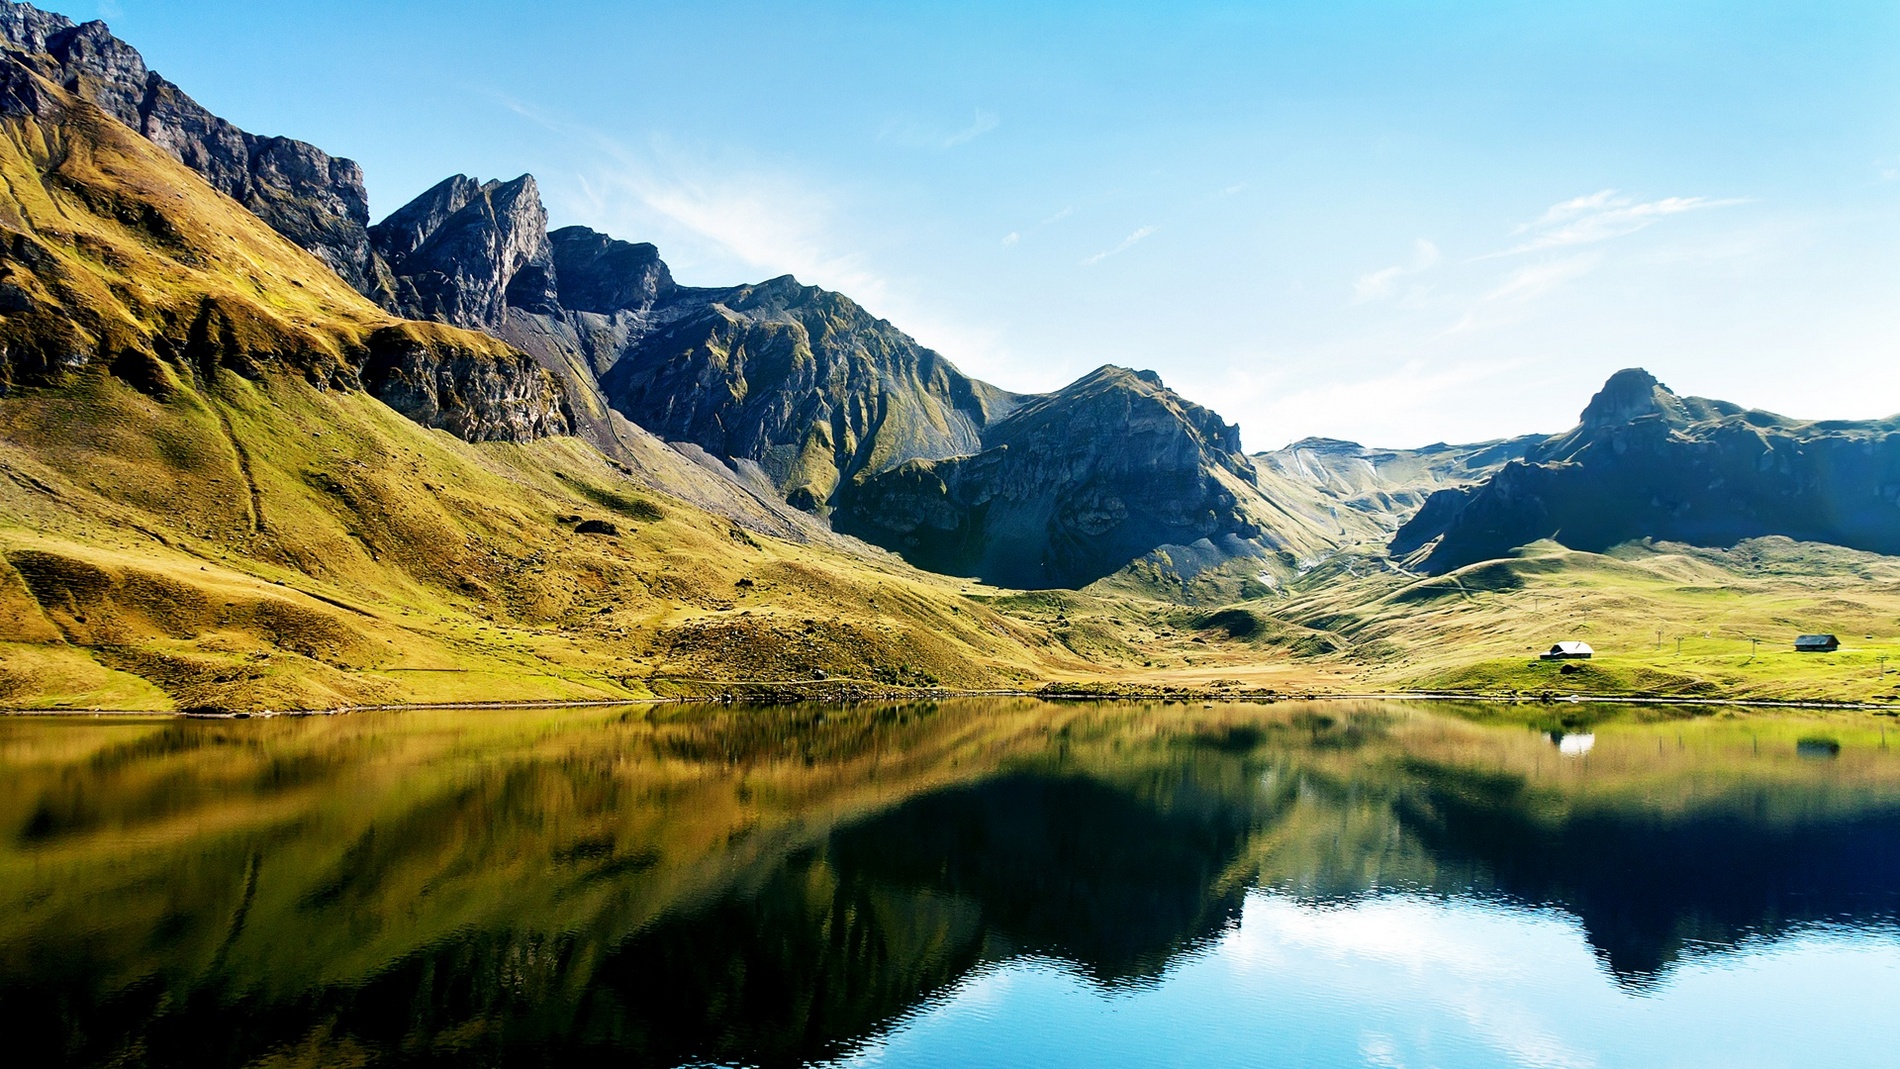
x=1816, y=644
x=1568, y=651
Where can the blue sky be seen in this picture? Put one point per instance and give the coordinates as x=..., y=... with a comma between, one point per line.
x=1393, y=222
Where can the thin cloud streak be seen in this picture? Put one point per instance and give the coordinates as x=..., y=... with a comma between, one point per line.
x=765, y=220
x=1508, y=300
x=1602, y=216
x=1379, y=284
x=1126, y=244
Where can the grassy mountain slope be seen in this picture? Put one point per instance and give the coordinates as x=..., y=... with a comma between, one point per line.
x=200, y=506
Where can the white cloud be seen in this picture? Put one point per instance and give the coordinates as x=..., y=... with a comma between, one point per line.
x=1126, y=243
x=1377, y=285
x=764, y=219
x=1011, y=238
x=1601, y=216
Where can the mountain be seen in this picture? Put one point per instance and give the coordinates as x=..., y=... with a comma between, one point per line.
x=316, y=200
x=225, y=484
x=799, y=381
x=1389, y=485
x=1076, y=484
x=1643, y=462
x=108, y=266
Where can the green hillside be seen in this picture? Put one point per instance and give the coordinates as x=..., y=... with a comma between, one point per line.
x=200, y=505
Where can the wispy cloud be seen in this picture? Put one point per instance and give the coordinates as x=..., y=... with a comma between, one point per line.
x=1016, y=236
x=1125, y=245
x=912, y=133
x=1601, y=216
x=1521, y=288
x=764, y=218
x=1377, y=285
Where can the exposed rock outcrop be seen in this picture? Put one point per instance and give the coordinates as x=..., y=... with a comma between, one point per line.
x=466, y=252
x=476, y=396
x=309, y=196
x=1644, y=462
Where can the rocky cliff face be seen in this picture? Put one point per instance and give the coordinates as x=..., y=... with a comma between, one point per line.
x=801, y=381
x=1646, y=463
x=466, y=252
x=1075, y=485
x=314, y=199
x=478, y=396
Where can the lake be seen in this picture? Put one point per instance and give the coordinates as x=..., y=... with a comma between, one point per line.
x=962, y=883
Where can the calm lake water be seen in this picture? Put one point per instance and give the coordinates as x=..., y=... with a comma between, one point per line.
x=968, y=883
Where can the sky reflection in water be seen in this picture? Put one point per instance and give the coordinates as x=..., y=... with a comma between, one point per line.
x=1410, y=981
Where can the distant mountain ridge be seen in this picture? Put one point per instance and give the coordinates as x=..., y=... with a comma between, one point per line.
x=1389, y=485
x=1643, y=462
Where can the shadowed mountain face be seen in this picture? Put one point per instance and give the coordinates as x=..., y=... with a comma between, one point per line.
x=1074, y=486
x=1645, y=463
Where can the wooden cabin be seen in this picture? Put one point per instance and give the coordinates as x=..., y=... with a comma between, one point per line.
x=1568, y=651
x=1816, y=644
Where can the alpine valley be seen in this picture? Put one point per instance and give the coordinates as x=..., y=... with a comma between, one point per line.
x=258, y=453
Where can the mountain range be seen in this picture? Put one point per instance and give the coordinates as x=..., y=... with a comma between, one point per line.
x=201, y=331
x=1643, y=462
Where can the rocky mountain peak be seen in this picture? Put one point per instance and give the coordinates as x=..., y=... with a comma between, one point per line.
x=464, y=253
x=1629, y=394
x=600, y=274
x=406, y=228
x=1133, y=393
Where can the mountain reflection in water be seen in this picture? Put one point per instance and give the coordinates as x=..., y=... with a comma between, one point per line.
x=653, y=886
